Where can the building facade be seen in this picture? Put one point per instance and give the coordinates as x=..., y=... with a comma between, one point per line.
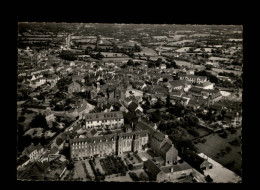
x=108, y=144
x=110, y=119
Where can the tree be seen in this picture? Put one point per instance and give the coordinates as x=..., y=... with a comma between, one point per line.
x=158, y=62
x=130, y=62
x=68, y=55
x=156, y=116
x=39, y=121
x=21, y=118
x=123, y=66
x=168, y=101
x=99, y=56
x=165, y=80
x=151, y=64
x=88, y=50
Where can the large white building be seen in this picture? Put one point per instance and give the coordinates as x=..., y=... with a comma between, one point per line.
x=110, y=119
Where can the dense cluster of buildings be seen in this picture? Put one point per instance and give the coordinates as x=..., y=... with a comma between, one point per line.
x=110, y=100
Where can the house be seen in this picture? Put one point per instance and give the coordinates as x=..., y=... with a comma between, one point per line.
x=74, y=87
x=195, y=91
x=208, y=92
x=219, y=173
x=205, y=85
x=176, y=85
x=93, y=133
x=177, y=93
x=132, y=106
x=153, y=170
x=76, y=127
x=223, y=78
x=215, y=97
x=33, y=152
x=167, y=173
x=60, y=143
x=163, y=146
x=193, y=78
x=233, y=118
x=112, y=119
x=83, y=108
x=53, y=154
x=169, y=153
x=175, y=172
x=163, y=66
x=79, y=78
x=195, y=160
x=49, y=119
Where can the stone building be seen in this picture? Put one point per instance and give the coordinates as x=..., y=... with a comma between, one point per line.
x=108, y=144
x=111, y=119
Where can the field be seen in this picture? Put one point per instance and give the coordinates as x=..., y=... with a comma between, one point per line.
x=182, y=50
x=206, y=50
x=227, y=71
x=146, y=51
x=79, y=171
x=179, y=42
x=213, y=146
x=184, y=63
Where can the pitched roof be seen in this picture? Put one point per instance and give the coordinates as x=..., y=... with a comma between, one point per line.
x=103, y=116
x=152, y=167
x=103, y=138
x=144, y=126
x=76, y=127
x=30, y=149
x=204, y=84
x=230, y=114
x=139, y=133
x=177, y=83
x=159, y=136
x=54, y=150
x=83, y=107
x=93, y=132
x=59, y=141
x=195, y=89
x=166, y=147
x=132, y=106
x=176, y=168
x=74, y=83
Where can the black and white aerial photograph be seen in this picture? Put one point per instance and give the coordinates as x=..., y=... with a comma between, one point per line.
x=121, y=102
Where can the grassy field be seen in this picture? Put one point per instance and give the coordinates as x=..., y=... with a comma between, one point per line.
x=215, y=144
x=79, y=171
x=227, y=71
x=185, y=63
x=183, y=49
x=146, y=51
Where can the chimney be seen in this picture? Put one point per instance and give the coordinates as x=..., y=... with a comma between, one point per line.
x=166, y=136
x=171, y=169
